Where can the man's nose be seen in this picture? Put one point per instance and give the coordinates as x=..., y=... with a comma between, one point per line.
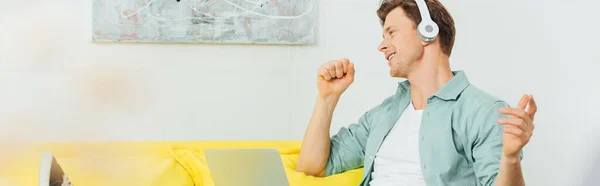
x=382, y=47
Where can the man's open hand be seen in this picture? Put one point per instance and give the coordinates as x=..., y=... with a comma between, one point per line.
x=518, y=128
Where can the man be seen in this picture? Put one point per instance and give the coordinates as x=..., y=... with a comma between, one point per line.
x=437, y=129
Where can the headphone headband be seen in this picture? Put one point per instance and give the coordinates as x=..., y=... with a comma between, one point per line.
x=428, y=30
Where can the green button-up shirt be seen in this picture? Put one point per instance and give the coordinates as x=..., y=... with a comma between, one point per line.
x=460, y=141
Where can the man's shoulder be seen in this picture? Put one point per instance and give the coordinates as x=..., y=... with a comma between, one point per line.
x=475, y=100
x=386, y=104
x=479, y=109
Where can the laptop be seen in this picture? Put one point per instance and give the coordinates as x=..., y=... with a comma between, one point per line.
x=246, y=167
x=51, y=174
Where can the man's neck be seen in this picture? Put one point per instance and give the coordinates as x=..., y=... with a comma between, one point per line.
x=432, y=74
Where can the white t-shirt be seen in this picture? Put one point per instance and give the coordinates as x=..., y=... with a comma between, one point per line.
x=397, y=162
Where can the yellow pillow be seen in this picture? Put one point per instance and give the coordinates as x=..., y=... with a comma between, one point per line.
x=195, y=163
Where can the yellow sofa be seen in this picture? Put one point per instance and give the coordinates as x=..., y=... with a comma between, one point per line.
x=145, y=163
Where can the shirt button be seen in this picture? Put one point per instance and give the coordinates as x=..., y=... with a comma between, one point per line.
x=422, y=138
x=424, y=167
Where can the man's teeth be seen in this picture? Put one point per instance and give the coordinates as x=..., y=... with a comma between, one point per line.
x=391, y=56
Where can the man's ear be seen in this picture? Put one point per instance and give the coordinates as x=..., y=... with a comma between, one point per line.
x=427, y=43
x=435, y=41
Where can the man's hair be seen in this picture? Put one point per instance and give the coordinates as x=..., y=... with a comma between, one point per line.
x=438, y=13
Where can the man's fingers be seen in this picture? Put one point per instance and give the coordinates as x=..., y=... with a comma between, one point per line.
x=517, y=113
x=335, y=69
x=324, y=73
x=520, y=113
x=517, y=122
x=523, y=102
x=339, y=70
x=345, y=63
x=513, y=130
x=351, y=70
x=331, y=69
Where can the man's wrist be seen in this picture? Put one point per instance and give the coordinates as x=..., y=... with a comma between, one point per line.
x=330, y=102
x=511, y=158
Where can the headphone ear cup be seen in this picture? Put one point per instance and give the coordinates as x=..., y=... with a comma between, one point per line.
x=428, y=31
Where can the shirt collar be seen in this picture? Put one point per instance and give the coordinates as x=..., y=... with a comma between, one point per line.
x=451, y=90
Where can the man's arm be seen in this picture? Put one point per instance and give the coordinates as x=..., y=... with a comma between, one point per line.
x=316, y=144
x=510, y=173
x=497, y=149
x=517, y=131
x=323, y=156
x=333, y=78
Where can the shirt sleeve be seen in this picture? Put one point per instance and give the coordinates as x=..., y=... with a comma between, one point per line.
x=487, y=146
x=348, y=146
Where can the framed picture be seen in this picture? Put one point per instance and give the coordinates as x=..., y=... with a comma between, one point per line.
x=205, y=21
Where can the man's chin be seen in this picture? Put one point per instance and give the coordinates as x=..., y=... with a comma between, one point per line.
x=395, y=74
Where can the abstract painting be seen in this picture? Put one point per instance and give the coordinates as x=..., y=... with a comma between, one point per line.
x=205, y=21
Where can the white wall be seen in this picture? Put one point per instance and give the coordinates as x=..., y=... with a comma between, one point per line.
x=58, y=86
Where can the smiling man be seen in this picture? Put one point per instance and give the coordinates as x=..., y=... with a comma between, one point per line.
x=438, y=129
